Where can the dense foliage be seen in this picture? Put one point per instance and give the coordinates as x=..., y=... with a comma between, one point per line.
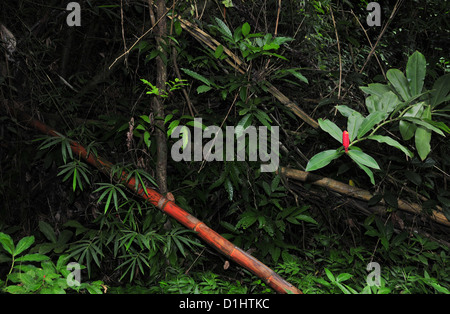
x=97, y=84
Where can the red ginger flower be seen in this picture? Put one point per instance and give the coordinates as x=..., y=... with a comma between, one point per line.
x=345, y=140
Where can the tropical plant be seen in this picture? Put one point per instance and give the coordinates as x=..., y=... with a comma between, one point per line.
x=50, y=278
x=402, y=101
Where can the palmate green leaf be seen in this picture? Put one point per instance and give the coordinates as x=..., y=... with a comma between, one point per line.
x=322, y=159
x=331, y=128
x=391, y=142
x=415, y=72
x=363, y=158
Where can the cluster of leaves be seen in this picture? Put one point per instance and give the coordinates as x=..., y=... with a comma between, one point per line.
x=49, y=278
x=408, y=264
x=402, y=101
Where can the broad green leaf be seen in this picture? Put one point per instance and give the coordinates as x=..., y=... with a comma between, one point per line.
x=322, y=159
x=331, y=128
x=7, y=243
x=245, y=29
x=415, y=72
x=391, y=142
x=376, y=89
x=36, y=257
x=399, y=82
x=372, y=103
x=423, y=122
x=203, y=89
x=370, y=121
x=423, y=136
x=408, y=129
x=389, y=102
x=23, y=244
x=345, y=110
x=223, y=28
x=441, y=91
x=218, y=52
x=353, y=124
x=363, y=158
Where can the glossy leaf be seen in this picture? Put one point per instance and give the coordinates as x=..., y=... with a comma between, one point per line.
x=322, y=159
x=415, y=72
x=399, y=82
x=423, y=136
x=408, y=129
x=331, y=128
x=391, y=142
x=441, y=91
x=363, y=158
x=370, y=121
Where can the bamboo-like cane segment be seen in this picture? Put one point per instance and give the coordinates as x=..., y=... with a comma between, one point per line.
x=203, y=231
x=355, y=192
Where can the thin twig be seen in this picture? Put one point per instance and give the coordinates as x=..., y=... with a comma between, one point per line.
x=339, y=52
x=142, y=36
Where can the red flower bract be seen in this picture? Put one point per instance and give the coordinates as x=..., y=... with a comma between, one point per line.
x=345, y=140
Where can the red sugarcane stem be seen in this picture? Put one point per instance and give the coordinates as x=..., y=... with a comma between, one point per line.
x=203, y=231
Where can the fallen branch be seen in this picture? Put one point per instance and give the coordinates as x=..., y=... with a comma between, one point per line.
x=358, y=193
x=170, y=208
x=241, y=67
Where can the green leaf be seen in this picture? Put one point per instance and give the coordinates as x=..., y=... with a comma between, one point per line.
x=423, y=136
x=23, y=244
x=36, y=257
x=307, y=219
x=218, y=52
x=370, y=121
x=441, y=90
x=329, y=275
x=391, y=142
x=353, y=124
x=406, y=128
x=363, y=158
x=229, y=188
x=7, y=243
x=223, y=28
x=322, y=159
x=376, y=89
x=331, y=128
x=423, y=122
x=415, y=72
x=245, y=29
x=197, y=76
x=399, y=82
x=367, y=171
